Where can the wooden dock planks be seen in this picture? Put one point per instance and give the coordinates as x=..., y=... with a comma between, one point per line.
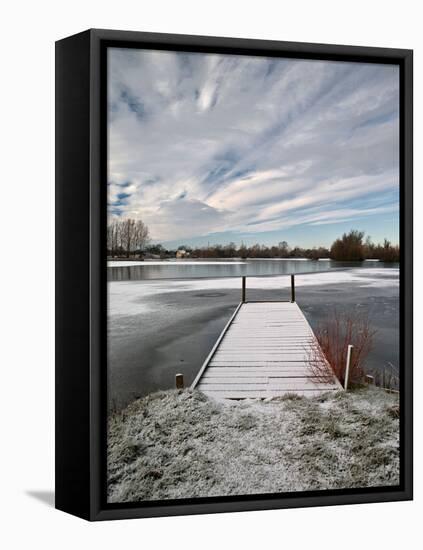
x=264, y=351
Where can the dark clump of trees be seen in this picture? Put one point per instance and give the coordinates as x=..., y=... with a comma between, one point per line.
x=385, y=252
x=126, y=237
x=351, y=247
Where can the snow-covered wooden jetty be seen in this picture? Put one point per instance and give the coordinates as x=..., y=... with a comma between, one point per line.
x=267, y=349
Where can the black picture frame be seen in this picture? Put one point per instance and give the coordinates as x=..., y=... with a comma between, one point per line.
x=81, y=157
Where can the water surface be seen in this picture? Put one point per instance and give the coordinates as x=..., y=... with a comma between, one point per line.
x=138, y=271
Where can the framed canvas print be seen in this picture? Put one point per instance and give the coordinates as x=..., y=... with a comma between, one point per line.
x=234, y=274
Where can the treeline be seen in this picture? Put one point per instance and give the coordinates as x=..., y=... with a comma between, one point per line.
x=129, y=237
x=350, y=247
x=231, y=250
x=126, y=237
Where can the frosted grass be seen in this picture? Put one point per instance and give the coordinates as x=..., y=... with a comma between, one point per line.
x=182, y=444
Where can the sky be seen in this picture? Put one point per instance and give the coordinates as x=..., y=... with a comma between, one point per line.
x=209, y=148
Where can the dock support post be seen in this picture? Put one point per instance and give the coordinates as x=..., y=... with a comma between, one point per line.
x=179, y=380
x=347, y=368
x=370, y=379
x=292, y=288
x=243, y=290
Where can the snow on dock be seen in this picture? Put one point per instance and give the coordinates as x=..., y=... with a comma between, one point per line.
x=266, y=350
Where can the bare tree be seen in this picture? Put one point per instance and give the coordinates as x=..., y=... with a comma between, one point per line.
x=126, y=236
x=141, y=235
x=113, y=237
x=110, y=238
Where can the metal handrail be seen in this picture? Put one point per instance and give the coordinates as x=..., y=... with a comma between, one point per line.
x=244, y=289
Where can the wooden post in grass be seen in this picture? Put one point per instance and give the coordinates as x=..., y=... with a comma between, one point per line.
x=370, y=379
x=179, y=380
x=347, y=368
x=292, y=288
x=243, y=289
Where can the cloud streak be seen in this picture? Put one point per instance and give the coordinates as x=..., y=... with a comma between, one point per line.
x=201, y=144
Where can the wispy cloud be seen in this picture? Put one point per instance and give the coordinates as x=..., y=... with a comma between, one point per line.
x=204, y=143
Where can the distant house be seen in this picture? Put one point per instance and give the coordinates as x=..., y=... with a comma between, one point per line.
x=182, y=254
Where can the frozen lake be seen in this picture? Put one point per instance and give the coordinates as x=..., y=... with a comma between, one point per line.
x=174, y=269
x=161, y=326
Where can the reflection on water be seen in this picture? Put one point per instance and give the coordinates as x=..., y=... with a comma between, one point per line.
x=181, y=270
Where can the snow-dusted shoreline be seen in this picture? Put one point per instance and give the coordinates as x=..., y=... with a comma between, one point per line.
x=233, y=261
x=181, y=444
x=200, y=262
x=146, y=263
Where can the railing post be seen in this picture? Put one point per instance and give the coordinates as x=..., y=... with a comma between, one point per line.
x=292, y=288
x=243, y=290
x=369, y=379
x=179, y=381
x=347, y=368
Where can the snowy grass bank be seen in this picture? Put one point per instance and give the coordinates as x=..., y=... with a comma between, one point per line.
x=182, y=444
